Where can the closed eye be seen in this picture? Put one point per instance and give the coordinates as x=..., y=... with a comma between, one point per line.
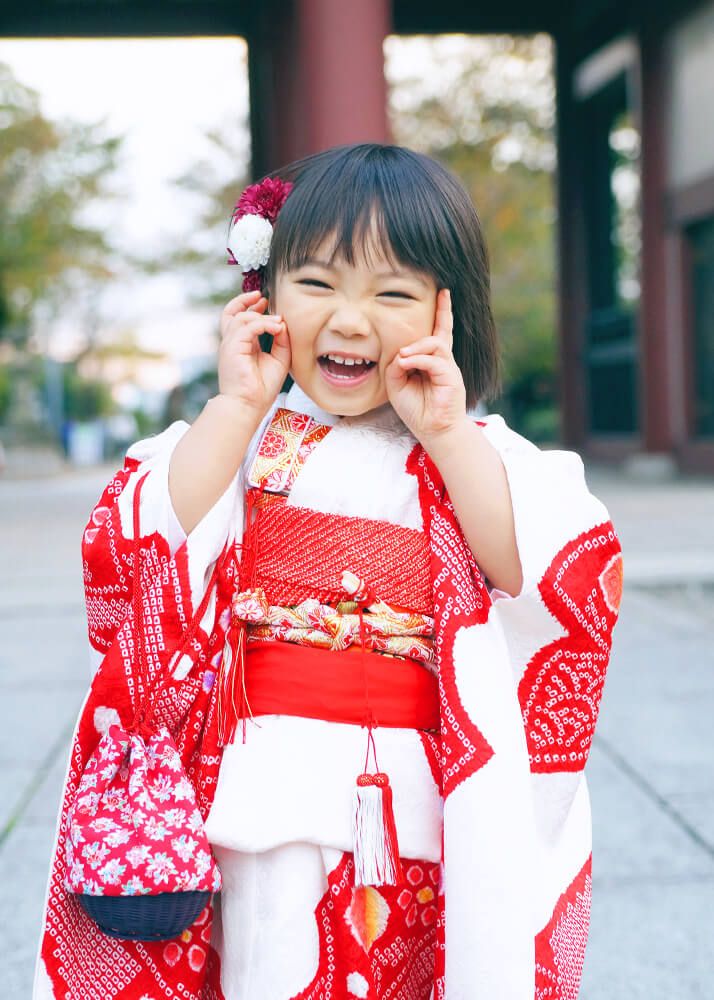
x=313, y=282
x=397, y=295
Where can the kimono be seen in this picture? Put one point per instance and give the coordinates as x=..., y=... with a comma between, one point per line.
x=492, y=810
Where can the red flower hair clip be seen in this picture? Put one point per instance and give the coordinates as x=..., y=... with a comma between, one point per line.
x=251, y=228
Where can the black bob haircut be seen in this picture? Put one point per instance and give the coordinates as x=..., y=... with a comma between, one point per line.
x=424, y=220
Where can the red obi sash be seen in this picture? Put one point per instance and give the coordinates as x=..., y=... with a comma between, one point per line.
x=340, y=686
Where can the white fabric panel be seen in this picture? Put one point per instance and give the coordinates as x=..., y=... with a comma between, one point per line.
x=551, y=502
x=266, y=932
x=489, y=834
x=358, y=470
x=294, y=779
x=564, y=841
x=156, y=511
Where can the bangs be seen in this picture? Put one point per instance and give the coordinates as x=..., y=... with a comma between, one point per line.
x=352, y=233
x=368, y=203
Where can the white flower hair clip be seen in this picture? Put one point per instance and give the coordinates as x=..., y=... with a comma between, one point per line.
x=251, y=229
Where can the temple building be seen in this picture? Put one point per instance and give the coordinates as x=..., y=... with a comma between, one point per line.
x=635, y=291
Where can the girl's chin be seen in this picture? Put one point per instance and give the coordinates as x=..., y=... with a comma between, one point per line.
x=337, y=404
x=343, y=402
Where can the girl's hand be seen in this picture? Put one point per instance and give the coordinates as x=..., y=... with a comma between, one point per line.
x=424, y=383
x=245, y=371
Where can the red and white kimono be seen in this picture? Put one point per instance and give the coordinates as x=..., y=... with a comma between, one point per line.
x=492, y=812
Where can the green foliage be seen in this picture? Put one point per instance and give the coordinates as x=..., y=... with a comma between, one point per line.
x=49, y=173
x=85, y=398
x=22, y=393
x=146, y=424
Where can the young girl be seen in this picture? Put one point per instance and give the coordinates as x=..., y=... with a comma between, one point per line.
x=386, y=587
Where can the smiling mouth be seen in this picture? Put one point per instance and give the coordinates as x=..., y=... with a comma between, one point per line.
x=343, y=369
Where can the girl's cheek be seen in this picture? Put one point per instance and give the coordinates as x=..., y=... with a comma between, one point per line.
x=299, y=313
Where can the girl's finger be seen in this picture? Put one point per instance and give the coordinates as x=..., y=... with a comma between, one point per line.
x=444, y=318
x=280, y=349
x=249, y=318
x=249, y=329
x=427, y=345
x=429, y=363
x=394, y=372
x=242, y=302
x=260, y=306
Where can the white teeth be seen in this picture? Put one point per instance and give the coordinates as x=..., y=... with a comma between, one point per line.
x=347, y=361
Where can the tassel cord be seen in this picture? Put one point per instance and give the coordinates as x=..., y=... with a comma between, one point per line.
x=369, y=720
x=233, y=704
x=375, y=848
x=142, y=722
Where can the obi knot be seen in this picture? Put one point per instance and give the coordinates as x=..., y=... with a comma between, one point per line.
x=250, y=606
x=357, y=590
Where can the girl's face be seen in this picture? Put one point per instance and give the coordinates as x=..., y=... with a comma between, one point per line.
x=347, y=322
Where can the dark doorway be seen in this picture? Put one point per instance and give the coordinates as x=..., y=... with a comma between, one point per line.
x=701, y=243
x=610, y=154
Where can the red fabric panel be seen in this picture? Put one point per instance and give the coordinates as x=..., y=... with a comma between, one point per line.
x=384, y=937
x=286, y=679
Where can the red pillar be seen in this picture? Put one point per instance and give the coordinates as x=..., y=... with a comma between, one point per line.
x=317, y=77
x=345, y=92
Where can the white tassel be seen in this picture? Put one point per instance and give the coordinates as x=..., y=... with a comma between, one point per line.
x=376, y=851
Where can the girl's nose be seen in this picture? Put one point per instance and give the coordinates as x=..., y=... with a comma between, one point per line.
x=349, y=321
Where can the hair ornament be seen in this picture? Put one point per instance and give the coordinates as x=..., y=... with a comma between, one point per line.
x=251, y=228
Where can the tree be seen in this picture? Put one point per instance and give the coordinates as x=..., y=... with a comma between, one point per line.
x=50, y=173
x=216, y=181
x=85, y=398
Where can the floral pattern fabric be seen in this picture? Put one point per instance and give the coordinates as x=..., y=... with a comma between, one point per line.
x=134, y=827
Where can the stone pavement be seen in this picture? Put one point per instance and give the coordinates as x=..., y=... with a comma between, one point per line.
x=650, y=769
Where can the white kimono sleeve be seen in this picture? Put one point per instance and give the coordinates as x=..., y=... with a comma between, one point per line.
x=221, y=524
x=552, y=507
x=550, y=497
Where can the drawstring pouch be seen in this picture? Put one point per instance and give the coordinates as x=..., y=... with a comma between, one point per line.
x=138, y=859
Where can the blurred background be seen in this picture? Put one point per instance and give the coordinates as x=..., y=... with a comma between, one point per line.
x=118, y=183
x=583, y=132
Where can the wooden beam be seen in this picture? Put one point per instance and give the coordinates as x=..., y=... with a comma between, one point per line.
x=123, y=19
x=425, y=17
